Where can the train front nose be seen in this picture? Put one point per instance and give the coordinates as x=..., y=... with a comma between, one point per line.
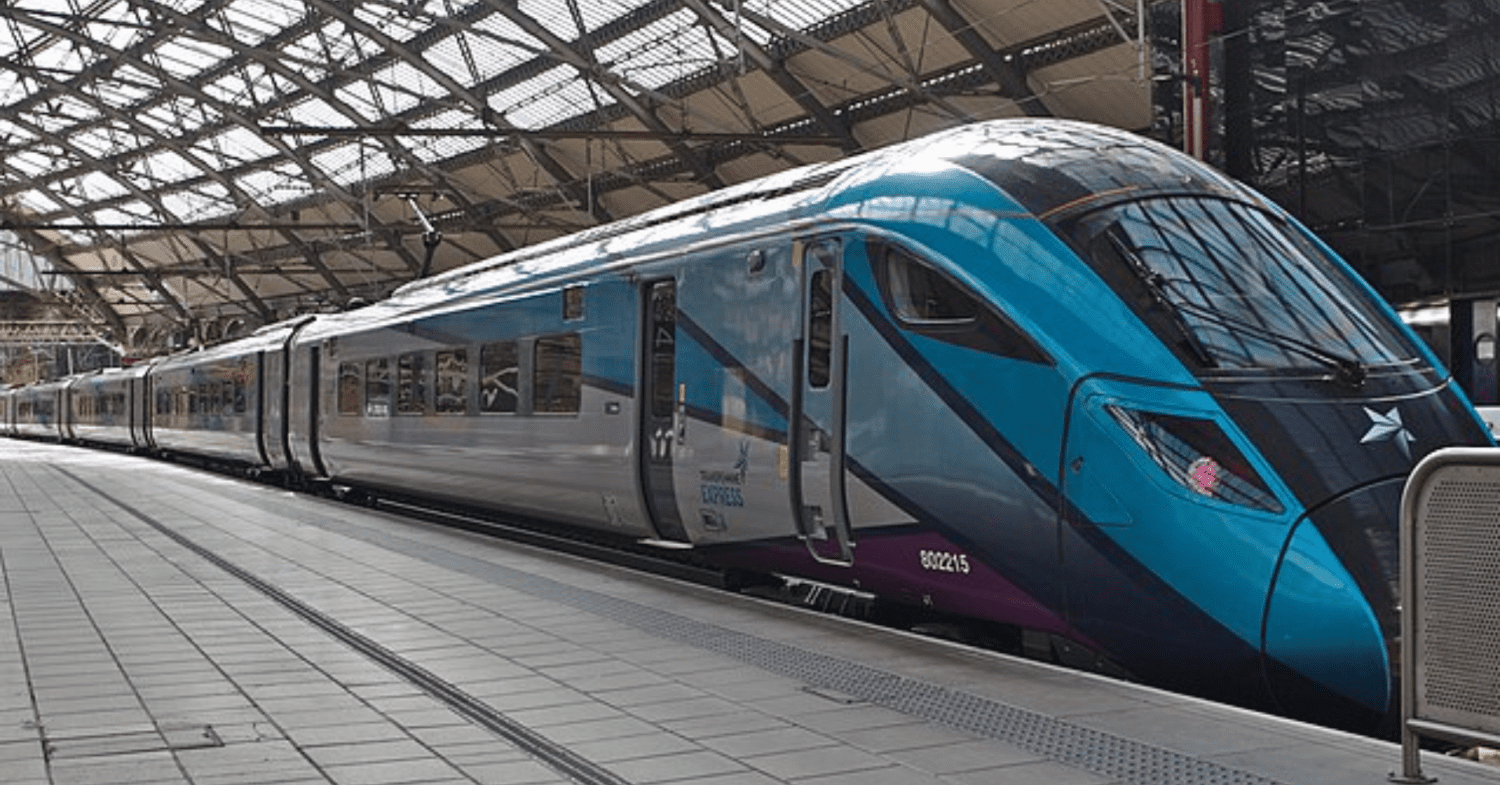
x=1332, y=614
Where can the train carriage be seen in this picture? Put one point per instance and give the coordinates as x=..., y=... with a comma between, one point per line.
x=108, y=407
x=41, y=409
x=1038, y=373
x=225, y=402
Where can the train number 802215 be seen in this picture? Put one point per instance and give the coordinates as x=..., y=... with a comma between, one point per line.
x=943, y=561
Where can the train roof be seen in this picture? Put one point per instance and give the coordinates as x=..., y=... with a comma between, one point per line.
x=1047, y=167
x=1054, y=167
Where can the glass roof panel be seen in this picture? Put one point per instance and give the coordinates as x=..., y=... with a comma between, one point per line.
x=67, y=110
x=315, y=52
x=165, y=167
x=205, y=201
x=504, y=33
x=313, y=111
x=281, y=183
x=253, y=21
x=118, y=92
x=131, y=212
x=534, y=103
x=38, y=202
x=397, y=22
x=186, y=58
x=341, y=163
x=105, y=140
x=34, y=161
x=117, y=26
x=806, y=13
x=448, y=55
x=19, y=266
x=553, y=15
x=229, y=88
x=665, y=50
x=404, y=86
x=235, y=144
x=435, y=148
x=98, y=186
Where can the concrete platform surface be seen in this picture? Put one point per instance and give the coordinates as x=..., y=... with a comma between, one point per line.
x=163, y=625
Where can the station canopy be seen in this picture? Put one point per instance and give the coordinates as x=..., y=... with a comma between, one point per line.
x=188, y=170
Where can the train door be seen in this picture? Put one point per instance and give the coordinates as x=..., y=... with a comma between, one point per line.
x=815, y=440
x=663, y=408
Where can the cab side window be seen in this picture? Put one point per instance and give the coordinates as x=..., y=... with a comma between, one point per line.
x=928, y=301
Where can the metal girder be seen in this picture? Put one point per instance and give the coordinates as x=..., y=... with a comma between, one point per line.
x=231, y=112
x=457, y=90
x=328, y=97
x=851, y=60
x=789, y=84
x=1005, y=71
x=612, y=83
x=35, y=332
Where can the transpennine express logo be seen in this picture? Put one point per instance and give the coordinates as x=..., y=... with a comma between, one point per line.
x=1388, y=427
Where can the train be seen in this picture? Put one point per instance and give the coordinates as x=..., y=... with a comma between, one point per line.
x=1047, y=375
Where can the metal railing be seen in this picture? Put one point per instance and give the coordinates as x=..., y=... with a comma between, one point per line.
x=1450, y=596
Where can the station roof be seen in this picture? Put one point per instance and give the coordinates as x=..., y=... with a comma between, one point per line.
x=202, y=167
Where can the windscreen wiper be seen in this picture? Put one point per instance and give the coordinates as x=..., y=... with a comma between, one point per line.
x=1346, y=370
x=1156, y=285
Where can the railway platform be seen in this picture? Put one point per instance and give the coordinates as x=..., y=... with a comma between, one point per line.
x=163, y=625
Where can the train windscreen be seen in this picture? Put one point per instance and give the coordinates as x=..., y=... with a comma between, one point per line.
x=1233, y=287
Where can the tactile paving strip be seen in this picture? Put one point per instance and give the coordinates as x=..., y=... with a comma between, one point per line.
x=1106, y=754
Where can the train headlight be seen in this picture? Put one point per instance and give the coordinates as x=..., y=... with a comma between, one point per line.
x=1199, y=456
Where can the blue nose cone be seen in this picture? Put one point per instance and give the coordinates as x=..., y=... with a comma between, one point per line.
x=1325, y=656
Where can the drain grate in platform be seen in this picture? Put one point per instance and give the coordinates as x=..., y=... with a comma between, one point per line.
x=99, y=745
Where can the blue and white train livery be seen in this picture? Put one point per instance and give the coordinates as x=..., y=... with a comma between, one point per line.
x=1035, y=372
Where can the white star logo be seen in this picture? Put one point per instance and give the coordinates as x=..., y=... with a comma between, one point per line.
x=1388, y=427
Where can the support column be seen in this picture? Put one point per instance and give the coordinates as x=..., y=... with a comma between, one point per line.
x=1201, y=19
x=1472, y=335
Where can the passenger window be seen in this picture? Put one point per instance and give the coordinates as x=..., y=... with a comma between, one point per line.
x=411, y=383
x=452, y=391
x=350, y=389
x=558, y=375
x=499, y=373
x=378, y=388
x=926, y=301
x=820, y=329
x=573, y=303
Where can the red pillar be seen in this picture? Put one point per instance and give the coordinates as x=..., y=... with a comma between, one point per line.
x=1201, y=19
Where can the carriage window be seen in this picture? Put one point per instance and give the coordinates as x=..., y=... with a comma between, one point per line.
x=820, y=329
x=926, y=301
x=351, y=389
x=411, y=383
x=572, y=303
x=558, y=375
x=499, y=374
x=378, y=388
x=452, y=389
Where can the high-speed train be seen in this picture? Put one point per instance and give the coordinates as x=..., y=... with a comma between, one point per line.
x=1035, y=372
